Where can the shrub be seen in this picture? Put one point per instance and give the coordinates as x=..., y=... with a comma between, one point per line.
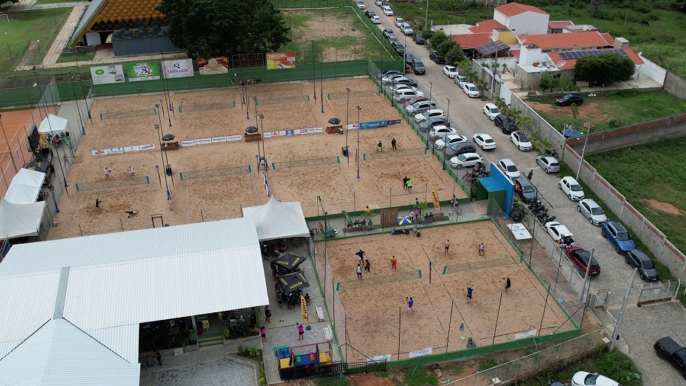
x=444, y=47
x=427, y=34
x=438, y=38
x=615, y=123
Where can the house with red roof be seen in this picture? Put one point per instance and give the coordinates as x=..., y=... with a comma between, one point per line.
x=522, y=19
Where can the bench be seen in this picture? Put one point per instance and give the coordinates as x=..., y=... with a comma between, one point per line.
x=320, y=314
x=328, y=333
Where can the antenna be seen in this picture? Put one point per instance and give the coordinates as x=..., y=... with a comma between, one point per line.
x=561, y=63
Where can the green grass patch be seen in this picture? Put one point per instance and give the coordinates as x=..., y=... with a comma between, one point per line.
x=38, y=2
x=422, y=376
x=442, y=12
x=25, y=27
x=72, y=58
x=608, y=112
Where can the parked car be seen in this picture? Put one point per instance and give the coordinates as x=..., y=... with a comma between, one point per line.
x=441, y=131
x=402, y=86
x=460, y=80
x=505, y=124
x=448, y=140
x=406, y=29
x=388, y=79
x=399, y=21
x=471, y=90
x=646, y=269
x=378, y=3
x=391, y=72
x=398, y=47
x=548, y=163
x=569, y=99
x=415, y=100
x=450, y=71
x=520, y=140
x=618, y=236
x=592, y=211
x=559, y=233
x=387, y=33
x=418, y=67
x=458, y=148
x=370, y=13
x=404, y=80
x=580, y=258
x=484, y=141
x=525, y=190
x=433, y=122
x=669, y=350
x=360, y=4
x=571, y=188
x=436, y=57
x=387, y=10
x=466, y=160
x=409, y=58
x=405, y=94
x=419, y=39
x=583, y=378
x=420, y=107
x=491, y=111
x=509, y=168
x=433, y=113
x=376, y=19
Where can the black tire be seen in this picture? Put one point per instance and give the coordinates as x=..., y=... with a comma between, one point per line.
x=603, y=233
x=626, y=259
x=618, y=250
x=578, y=208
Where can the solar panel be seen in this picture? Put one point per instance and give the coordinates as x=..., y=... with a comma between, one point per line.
x=567, y=55
x=491, y=47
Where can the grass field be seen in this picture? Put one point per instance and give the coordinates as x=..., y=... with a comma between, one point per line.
x=71, y=58
x=38, y=2
x=607, y=112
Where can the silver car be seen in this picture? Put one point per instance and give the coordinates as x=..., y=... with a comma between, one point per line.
x=592, y=211
x=548, y=164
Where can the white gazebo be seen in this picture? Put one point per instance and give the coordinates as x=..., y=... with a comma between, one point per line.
x=53, y=124
x=278, y=220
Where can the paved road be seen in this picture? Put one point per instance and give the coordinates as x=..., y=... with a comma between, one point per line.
x=642, y=325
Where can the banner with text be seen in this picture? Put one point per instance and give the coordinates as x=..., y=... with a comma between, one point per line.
x=182, y=68
x=113, y=73
x=213, y=66
x=138, y=72
x=280, y=60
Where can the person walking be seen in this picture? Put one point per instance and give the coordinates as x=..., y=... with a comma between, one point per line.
x=267, y=314
x=416, y=202
x=368, y=267
x=66, y=159
x=301, y=331
x=417, y=213
x=453, y=201
x=470, y=290
x=158, y=356
x=97, y=203
x=405, y=182
x=394, y=144
x=360, y=255
x=508, y=284
x=482, y=249
x=107, y=173
x=263, y=333
x=321, y=228
x=447, y=246
x=409, y=184
x=410, y=304
x=394, y=263
x=531, y=174
x=131, y=171
x=379, y=147
x=359, y=271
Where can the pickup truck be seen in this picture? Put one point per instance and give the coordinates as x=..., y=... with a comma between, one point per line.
x=669, y=350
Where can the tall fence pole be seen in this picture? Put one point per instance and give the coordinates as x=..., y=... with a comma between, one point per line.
x=497, y=316
x=400, y=312
x=615, y=333
x=540, y=327
x=450, y=323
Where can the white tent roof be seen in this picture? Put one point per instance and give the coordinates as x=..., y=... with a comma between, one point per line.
x=20, y=220
x=25, y=187
x=276, y=220
x=106, y=285
x=53, y=124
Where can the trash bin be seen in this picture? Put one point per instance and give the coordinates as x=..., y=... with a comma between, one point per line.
x=344, y=149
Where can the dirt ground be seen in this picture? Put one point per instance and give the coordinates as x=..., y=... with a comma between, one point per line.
x=228, y=186
x=663, y=206
x=587, y=111
x=375, y=305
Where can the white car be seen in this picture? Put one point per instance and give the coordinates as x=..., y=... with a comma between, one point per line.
x=450, y=71
x=471, y=90
x=401, y=86
x=434, y=113
x=557, y=231
x=387, y=10
x=572, y=189
x=460, y=80
x=389, y=78
x=448, y=140
x=484, y=141
x=509, y=168
x=466, y=160
x=399, y=21
x=421, y=105
x=378, y=2
x=583, y=378
x=406, y=29
x=491, y=110
x=440, y=131
x=360, y=5
x=406, y=94
x=376, y=19
x=521, y=141
x=592, y=211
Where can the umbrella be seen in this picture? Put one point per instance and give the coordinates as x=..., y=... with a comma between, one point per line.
x=407, y=220
x=168, y=137
x=251, y=129
x=288, y=261
x=334, y=121
x=293, y=282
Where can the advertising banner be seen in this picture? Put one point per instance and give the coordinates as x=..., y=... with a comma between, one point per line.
x=419, y=353
x=372, y=125
x=142, y=71
x=280, y=60
x=182, y=68
x=113, y=73
x=437, y=201
x=213, y=66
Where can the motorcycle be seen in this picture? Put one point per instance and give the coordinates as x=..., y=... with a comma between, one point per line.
x=551, y=152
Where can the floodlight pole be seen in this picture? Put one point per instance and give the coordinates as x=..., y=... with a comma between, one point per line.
x=73, y=91
x=321, y=83
x=583, y=151
x=40, y=54
x=431, y=89
x=347, y=108
x=615, y=332
x=85, y=95
x=358, y=141
x=159, y=137
x=264, y=152
x=35, y=74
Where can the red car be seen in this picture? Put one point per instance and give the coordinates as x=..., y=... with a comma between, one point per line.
x=580, y=257
x=415, y=100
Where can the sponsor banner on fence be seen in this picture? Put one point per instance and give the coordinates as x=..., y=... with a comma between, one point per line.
x=379, y=358
x=138, y=72
x=131, y=149
x=99, y=152
x=203, y=141
x=122, y=150
x=149, y=146
x=233, y=138
x=213, y=66
x=116, y=150
x=372, y=125
x=420, y=353
x=522, y=335
x=219, y=139
x=182, y=68
x=394, y=122
x=191, y=142
x=280, y=60
x=289, y=133
x=113, y=73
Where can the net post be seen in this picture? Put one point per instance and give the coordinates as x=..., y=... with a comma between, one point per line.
x=249, y=169
x=364, y=156
x=77, y=187
x=273, y=166
x=147, y=180
x=181, y=176
x=101, y=116
x=338, y=159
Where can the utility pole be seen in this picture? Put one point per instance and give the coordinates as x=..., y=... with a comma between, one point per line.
x=583, y=151
x=615, y=332
x=358, y=141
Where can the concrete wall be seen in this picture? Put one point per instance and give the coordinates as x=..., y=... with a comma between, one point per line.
x=675, y=85
x=640, y=226
x=638, y=134
x=650, y=70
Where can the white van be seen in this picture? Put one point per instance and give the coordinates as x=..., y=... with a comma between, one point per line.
x=405, y=94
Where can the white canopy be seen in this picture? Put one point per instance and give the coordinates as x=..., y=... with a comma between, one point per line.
x=276, y=220
x=53, y=124
x=20, y=220
x=25, y=187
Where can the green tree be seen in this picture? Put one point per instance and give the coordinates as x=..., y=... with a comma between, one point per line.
x=210, y=28
x=546, y=82
x=455, y=55
x=445, y=47
x=438, y=38
x=604, y=69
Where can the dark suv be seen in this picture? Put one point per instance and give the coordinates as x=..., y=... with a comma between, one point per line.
x=458, y=148
x=569, y=99
x=399, y=48
x=646, y=268
x=436, y=57
x=669, y=350
x=418, y=66
x=419, y=39
x=505, y=124
x=525, y=190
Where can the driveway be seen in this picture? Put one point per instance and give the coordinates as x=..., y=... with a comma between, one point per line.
x=467, y=117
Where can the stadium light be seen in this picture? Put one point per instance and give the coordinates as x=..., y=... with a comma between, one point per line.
x=264, y=152
x=347, y=108
x=159, y=136
x=73, y=91
x=358, y=141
